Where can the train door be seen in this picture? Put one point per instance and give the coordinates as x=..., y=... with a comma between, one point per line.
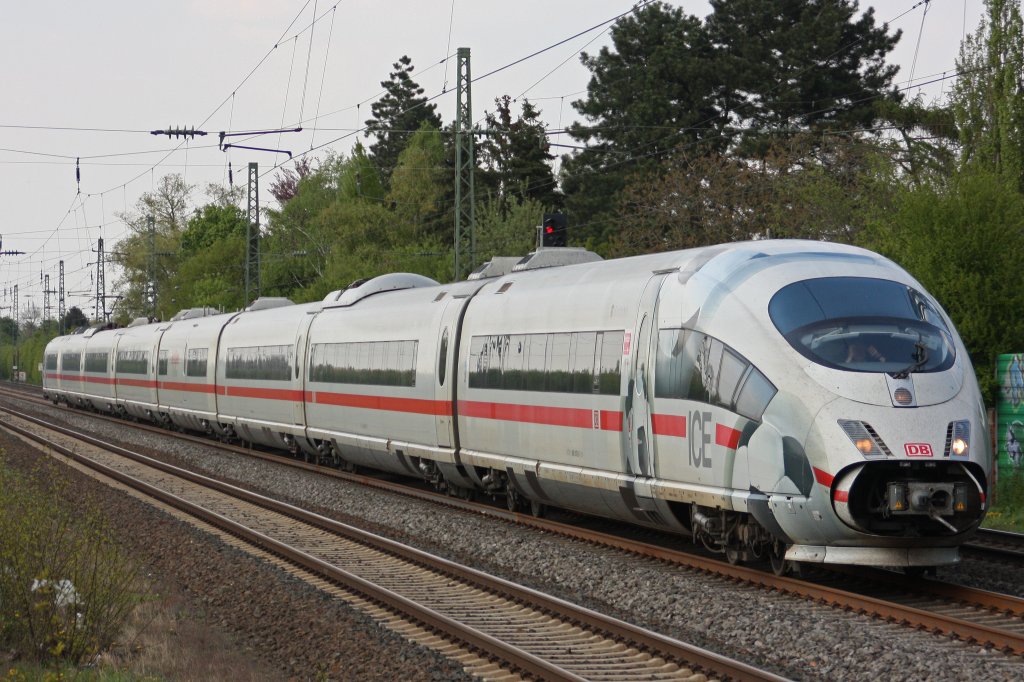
x=445, y=376
x=298, y=375
x=639, y=399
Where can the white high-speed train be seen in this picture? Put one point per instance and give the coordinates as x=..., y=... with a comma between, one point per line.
x=782, y=399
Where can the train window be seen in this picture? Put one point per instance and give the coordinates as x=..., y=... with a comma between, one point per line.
x=514, y=363
x=536, y=361
x=51, y=361
x=609, y=359
x=672, y=370
x=732, y=370
x=71, y=362
x=442, y=356
x=754, y=396
x=559, y=380
x=163, y=362
x=196, y=362
x=132, y=362
x=264, y=363
x=96, y=362
x=374, y=363
x=704, y=378
x=582, y=362
x=694, y=366
x=563, y=362
x=861, y=324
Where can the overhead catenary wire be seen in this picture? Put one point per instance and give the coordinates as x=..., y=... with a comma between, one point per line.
x=317, y=117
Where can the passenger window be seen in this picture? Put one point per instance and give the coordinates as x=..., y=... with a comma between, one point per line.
x=608, y=374
x=583, y=362
x=694, y=366
x=755, y=395
x=704, y=380
x=732, y=369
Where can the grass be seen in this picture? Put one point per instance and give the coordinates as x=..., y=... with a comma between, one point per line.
x=66, y=590
x=147, y=630
x=1007, y=512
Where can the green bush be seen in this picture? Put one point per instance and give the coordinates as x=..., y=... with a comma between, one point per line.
x=66, y=590
x=1008, y=511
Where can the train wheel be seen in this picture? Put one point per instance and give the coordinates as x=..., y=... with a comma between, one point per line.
x=732, y=555
x=777, y=558
x=511, y=499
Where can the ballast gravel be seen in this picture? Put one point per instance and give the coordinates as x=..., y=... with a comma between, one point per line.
x=790, y=636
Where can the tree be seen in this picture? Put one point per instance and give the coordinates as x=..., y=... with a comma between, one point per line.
x=211, y=259
x=396, y=116
x=988, y=97
x=652, y=93
x=74, y=319
x=148, y=260
x=509, y=230
x=421, y=191
x=962, y=242
x=302, y=234
x=515, y=158
x=790, y=193
x=286, y=185
x=794, y=64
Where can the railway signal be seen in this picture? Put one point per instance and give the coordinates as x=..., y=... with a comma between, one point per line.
x=554, y=230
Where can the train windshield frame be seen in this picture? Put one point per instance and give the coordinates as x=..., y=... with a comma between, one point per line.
x=862, y=324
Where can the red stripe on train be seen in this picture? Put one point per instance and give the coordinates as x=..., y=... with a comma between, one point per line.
x=574, y=417
x=261, y=393
x=727, y=436
x=375, y=402
x=669, y=425
x=187, y=387
x=823, y=477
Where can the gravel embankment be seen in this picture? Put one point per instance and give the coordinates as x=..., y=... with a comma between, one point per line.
x=790, y=636
x=290, y=627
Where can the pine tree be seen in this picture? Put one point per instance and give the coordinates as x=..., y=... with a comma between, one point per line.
x=397, y=116
x=516, y=157
x=651, y=94
x=798, y=65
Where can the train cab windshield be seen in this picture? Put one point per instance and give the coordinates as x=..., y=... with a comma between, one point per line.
x=861, y=324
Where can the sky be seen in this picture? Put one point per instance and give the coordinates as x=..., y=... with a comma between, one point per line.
x=83, y=83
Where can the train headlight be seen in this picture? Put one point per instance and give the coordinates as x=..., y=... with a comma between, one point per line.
x=865, y=445
x=863, y=438
x=958, y=439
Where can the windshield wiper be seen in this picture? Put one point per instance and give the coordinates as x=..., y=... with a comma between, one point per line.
x=920, y=358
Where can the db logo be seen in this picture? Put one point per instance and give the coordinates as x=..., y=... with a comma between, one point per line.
x=918, y=449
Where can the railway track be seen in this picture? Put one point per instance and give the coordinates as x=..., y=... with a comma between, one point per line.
x=998, y=545
x=528, y=632
x=969, y=614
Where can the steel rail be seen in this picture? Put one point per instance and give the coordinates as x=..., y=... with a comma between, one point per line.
x=966, y=630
